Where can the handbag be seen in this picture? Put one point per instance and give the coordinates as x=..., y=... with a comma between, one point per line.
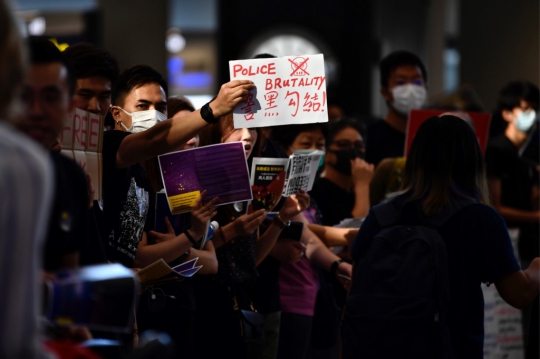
x=251, y=322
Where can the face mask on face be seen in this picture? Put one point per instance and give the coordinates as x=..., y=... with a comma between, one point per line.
x=408, y=97
x=525, y=120
x=344, y=157
x=143, y=120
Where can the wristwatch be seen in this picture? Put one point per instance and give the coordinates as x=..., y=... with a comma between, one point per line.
x=280, y=223
x=335, y=265
x=208, y=115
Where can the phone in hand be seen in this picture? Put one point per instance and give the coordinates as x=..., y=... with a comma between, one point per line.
x=293, y=231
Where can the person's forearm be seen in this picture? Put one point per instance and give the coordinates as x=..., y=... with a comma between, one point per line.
x=168, y=250
x=332, y=236
x=206, y=258
x=316, y=251
x=361, y=202
x=514, y=215
x=165, y=136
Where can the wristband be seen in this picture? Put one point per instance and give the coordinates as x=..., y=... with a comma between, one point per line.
x=335, y=265
x=208, y=115
x=279, y=222
x=191, y=239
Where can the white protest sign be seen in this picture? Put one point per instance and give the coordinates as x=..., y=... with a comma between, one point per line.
x=289, y=90
x=301, y=173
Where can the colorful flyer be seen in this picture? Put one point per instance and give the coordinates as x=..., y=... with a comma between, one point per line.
x=480, y=122
x=289, y=90
x=219, y=169
x=267, y=181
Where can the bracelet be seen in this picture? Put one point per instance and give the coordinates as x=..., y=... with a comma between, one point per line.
x=222, y=235
x=279, y=222
x=335, y=265
x=191, y=239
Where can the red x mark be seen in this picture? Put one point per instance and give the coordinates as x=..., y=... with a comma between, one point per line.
x=298, y=67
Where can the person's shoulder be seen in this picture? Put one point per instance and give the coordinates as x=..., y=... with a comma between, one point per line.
x=115, y=134
x=377, y=126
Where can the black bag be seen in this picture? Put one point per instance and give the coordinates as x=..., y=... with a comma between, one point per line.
x=251, y=322
x=398, y=301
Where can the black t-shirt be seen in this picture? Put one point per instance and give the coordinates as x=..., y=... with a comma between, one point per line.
x=479, y=250
x=517, y=176
x=125, y=202
x=383, y=141
x=335, y=203
x=67, y=224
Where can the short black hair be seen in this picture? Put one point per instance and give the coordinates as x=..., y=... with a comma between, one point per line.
x=87, y=60
x=134, y=77
x=337, y=126
x=397, y=59
x=264, y=56
x=285, y=135
x=43, y=51
x=515, y=91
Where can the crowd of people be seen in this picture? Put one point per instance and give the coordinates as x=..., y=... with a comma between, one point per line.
x=258, y=294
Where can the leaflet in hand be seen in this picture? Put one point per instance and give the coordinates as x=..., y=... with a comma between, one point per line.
x=100, y=297
x=219, y=169
x=160, y=272
x=267, y=181
x=301, y=172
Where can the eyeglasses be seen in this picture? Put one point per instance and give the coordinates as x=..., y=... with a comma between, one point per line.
x=346, y=144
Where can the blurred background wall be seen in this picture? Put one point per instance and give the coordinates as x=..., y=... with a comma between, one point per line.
x=481, y=44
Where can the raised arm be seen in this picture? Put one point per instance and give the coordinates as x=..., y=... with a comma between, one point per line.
x=168, y=135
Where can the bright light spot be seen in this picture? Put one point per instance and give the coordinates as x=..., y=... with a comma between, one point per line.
x=175, y=43
x=37, y=26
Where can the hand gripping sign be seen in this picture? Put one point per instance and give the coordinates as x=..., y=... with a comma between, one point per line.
x=289, y=90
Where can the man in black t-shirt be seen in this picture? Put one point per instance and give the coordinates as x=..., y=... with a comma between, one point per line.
x=142, y=132
x=47, y=99
x=403, y=86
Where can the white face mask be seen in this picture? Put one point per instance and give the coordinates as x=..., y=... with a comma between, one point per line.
x=525, y=120
x=408, y=97
x=143, y=120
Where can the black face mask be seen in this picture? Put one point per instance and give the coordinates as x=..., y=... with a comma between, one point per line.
x=344, y=157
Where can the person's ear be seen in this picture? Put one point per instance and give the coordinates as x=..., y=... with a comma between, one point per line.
x=507, y=115
x=115, y=112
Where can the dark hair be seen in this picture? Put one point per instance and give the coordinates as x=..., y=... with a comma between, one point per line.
x=264, y=56
x=285, y=135
x=42, y=51
x=511, y=95
x=215, y=133
x=135, y=77
x=445, y=161
x=336, y=126
x=397, y=59
x=87, y=60
x=177, y=104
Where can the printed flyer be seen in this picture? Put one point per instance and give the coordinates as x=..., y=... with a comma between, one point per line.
x=219, y=169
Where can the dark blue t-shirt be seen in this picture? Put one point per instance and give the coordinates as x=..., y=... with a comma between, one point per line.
x=479, y=251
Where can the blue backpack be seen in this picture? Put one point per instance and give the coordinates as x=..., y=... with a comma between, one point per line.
x=398, y=301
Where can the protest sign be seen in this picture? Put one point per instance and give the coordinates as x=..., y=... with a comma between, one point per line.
x=301, y=173
x=479, y=120
x=289, y=90
x=219, y=169
x=81, y=140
